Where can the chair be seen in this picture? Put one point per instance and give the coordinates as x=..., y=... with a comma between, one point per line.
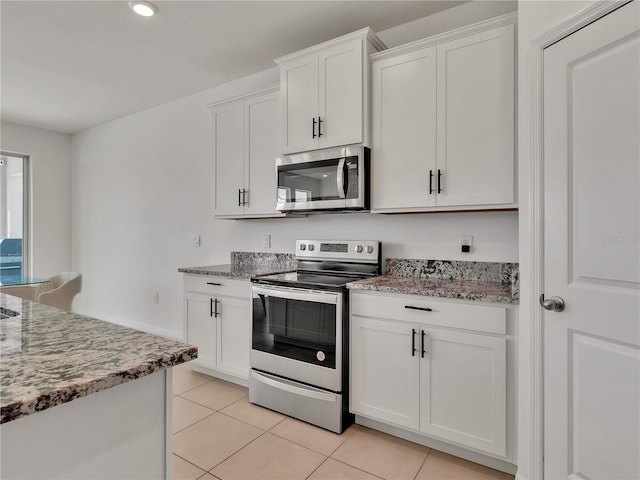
x=64, y=286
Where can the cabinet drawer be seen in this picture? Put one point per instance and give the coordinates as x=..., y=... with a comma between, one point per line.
x=424, y=310
x=213, y=285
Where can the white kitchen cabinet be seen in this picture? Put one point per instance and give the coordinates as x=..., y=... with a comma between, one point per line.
x=217, y=320
x=245, y=136
x=444, y=121
x=415, y=364
x=324, y=91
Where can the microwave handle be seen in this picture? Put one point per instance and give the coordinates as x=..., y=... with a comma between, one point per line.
x=340, y=179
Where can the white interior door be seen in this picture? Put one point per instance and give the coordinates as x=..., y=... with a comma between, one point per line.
x=592, y=250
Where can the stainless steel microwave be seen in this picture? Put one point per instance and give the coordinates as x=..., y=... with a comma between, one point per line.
x=333, y=179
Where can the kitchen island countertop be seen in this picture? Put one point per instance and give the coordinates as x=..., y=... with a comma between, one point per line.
x=50, y=357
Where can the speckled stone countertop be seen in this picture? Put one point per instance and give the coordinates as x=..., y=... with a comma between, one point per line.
x=478, y=281
x=460, y=289
x=245, y=265
x=49, y=357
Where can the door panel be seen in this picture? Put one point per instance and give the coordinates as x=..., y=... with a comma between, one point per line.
x=262, y=123
x=404, y=130
x=383, y=372
x=340, y=94
x=476, y=118
x=299, y=93
x=201, y=328
x=592, y=237
x=463, y=389
x=233, y=336
x=228, y=134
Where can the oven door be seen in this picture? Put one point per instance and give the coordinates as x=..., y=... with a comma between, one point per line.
x=331, y=179
x=297, y=334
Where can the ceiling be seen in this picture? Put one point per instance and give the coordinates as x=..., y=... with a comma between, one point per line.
x=70, y=65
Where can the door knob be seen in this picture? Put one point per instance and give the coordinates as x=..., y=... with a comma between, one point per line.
x=555, y=304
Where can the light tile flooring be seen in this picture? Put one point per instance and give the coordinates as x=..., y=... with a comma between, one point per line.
x=218, y=434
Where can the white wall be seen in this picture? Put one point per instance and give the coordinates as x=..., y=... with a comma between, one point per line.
x=143, y=185
x=50, y=193
x=534, y=19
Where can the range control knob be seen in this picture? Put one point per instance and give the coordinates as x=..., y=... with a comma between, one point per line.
x=311, y=247
x=358, y=248
x=303, y=246
x=369, y=249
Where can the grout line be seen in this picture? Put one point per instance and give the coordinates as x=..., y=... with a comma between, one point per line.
x=423, y=462
x=199, y=468
x=192, y=424
x=357, y=468
x=237, y=451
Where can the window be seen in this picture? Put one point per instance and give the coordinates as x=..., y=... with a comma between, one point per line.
x=14, y=217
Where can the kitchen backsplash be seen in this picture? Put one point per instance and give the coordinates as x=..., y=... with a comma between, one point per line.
x=261, y=259
x=455, y=270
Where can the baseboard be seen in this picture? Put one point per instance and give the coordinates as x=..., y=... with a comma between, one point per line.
x=221, y=375
x=144, y=327
x=519, y=476
x=441, y=446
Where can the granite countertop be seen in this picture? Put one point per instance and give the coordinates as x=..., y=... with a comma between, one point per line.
x=245, y=265
x=49, y=357
x=236, y=270
x=445, y=288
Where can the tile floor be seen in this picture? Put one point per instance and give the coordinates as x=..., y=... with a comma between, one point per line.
x=218, y=434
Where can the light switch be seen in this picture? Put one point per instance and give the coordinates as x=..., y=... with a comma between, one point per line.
x=266, y=241
x=195, y=240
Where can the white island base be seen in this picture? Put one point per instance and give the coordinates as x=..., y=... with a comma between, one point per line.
x=117, y=433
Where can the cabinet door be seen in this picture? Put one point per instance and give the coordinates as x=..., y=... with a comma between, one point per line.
x=262, y=119
x=233, y=334
x=340, y=94
x=404, y=130
x=463, y=389
x=201, y=328
x=299, y=93
x=476, y=152
x=228, y=138
x=384, y=372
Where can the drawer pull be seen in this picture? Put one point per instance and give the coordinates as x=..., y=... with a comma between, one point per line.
x=214, y=284
x=423, y=334
x=424, y=309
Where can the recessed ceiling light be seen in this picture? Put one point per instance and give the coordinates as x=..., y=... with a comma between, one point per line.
x=146, y=9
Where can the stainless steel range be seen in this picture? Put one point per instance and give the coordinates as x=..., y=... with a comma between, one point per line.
x=300, y=334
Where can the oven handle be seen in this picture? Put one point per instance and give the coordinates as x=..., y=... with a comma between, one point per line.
x=287, y=387
x=297, y=294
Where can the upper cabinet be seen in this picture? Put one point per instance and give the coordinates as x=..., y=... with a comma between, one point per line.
x=324, y=91
x=245, y=136
x=444, y=121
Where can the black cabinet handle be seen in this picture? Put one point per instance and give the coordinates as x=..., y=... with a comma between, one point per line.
x=424, y=309
x=422, y=343
x=239, y=197
x=313, y=128
x=439, y=177
x=413, y=342
x=319, y=127
x=244, y=196
x=430, y=182
x=214, y=284
x=211, y=307
x=215, y=311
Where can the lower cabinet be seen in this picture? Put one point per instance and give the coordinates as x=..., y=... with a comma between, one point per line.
x=219, y=326
x=419, y=370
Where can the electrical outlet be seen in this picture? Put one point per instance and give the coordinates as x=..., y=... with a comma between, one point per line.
x=195, y=240
x=466, y=241
x=266, y=241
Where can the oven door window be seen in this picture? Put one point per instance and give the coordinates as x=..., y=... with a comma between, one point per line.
x=296, y=329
